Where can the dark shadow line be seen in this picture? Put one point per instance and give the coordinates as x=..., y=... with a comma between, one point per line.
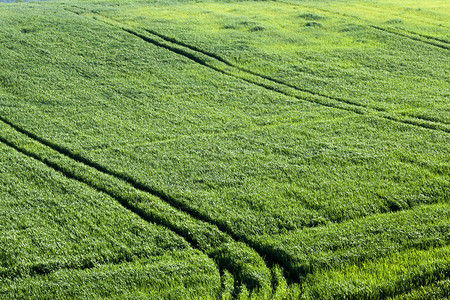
x=425, y=118
x=135, y=184
x=203, y=63
x=228, y=63
x=122, y=201
x=418, y=39
x=274, y=89
x=426, y=36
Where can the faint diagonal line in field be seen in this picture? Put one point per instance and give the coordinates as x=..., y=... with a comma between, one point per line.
x=418, y=39
x=366, y=7
x=413, y=36
x=225, y=61
x=427, y=36
x=424, y=118
x=262, y=76
x=44, y=270
x=280, y=87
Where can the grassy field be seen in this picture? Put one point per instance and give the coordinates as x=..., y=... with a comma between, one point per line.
x=222, y=150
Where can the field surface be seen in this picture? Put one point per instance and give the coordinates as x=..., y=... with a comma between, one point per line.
x=225, y=149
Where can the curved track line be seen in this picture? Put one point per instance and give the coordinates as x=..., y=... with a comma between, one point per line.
x=204, y=63
x=410, y=36
x=173, y=202
x=377, y=27
x=425, y=118
x=36, y=269
x=228, y=63
x=43, y=270
x=427, y=36
x=171, y=210
x=281, y=87
x=98, y=167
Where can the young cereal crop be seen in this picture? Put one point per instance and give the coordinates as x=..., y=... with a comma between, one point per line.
x=224, y=150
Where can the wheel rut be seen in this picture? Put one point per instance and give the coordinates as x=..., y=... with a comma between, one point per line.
x=230, y=64
x=414, y=36
x=246, y=265
x=437, y=42
x=224, y=67
x=262, y=76
x=227, y=62
x=170, y=204
x=71, y=175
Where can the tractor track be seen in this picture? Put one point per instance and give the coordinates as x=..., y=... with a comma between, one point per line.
x=43, y=270
x=262, y=76
x=270, y=83
x=267, y=82
x=418, y=37
x=228, y=63
x=72, y=176
x=343, y=105
x=147, y=216
x=412, y=36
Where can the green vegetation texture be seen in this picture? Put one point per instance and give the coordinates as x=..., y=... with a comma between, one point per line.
x=225, y=149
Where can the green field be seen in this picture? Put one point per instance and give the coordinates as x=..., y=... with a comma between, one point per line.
x=178, y=149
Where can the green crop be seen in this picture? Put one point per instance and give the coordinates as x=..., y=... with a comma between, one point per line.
x=60, y=238
x=239, y=149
